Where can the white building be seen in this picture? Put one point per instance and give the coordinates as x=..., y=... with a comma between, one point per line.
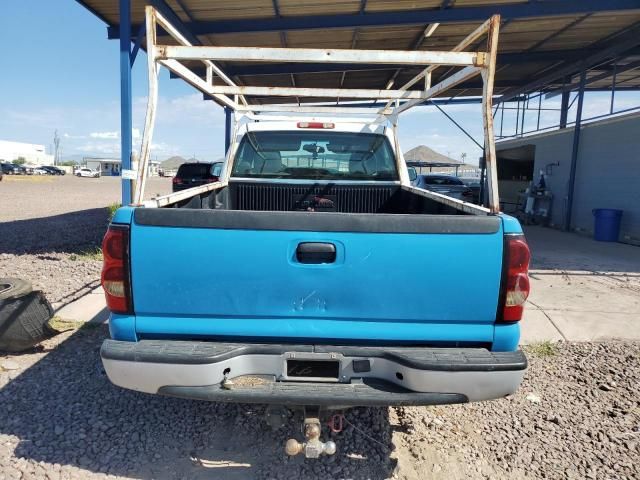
x=33, y=154
x=111, y=167
x=108, y=167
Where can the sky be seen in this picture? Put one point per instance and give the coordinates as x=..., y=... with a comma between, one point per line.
x=61, y=73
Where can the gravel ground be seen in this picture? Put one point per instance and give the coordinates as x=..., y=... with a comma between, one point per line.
x=576, y=416
x=51, y=228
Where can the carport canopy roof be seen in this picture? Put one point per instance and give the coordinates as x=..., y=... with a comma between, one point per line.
x=543, y=44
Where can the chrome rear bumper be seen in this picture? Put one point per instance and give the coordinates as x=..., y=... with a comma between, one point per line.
x=321, y=375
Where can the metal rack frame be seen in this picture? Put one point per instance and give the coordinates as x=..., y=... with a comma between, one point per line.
x=234, y=97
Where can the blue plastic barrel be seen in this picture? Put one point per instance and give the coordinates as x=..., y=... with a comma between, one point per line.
x=607, y=224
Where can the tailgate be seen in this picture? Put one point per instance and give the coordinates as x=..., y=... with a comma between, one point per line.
x=415, y=278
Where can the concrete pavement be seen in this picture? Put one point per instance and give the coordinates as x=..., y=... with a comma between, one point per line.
x=89, y=308
x=581, y=290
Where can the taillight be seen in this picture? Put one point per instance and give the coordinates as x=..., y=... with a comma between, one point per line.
x=516, y=279
x=176, y=181
x=315, y=125
x=115, y=269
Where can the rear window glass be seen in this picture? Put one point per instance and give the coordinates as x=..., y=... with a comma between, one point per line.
x=194, y=170
x=315, y=155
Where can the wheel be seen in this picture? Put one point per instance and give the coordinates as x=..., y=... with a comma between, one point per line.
x=23, y=322
x=14, y=288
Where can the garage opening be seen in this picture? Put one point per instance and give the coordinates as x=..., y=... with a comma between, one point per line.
x=515, y=173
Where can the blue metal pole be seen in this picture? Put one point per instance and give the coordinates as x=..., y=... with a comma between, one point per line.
x=227, y=129
x=125, y=97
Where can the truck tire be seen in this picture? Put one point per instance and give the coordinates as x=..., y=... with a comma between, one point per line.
x=23, y=322
x=14, y=288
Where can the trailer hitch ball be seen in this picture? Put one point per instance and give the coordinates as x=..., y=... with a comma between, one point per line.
x=313, y=447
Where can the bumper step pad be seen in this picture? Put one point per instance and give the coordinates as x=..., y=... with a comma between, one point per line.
x=372, y=394
x=422, y=358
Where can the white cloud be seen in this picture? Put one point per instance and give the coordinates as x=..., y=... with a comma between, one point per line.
x=99, y=148
x=190, y=109
x=105, y=135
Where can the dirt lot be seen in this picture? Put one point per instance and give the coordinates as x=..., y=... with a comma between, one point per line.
x=576, y=416
x=51, y=229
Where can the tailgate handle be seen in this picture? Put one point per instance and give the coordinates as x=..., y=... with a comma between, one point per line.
x=316, y=252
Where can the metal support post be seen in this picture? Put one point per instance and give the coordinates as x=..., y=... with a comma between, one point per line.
x=539, y=109
x=126, y=119
x=564, y=106
x=613, y=87
x=483, y=187
x=525, y=105
x=227, y=129
x=574, y=152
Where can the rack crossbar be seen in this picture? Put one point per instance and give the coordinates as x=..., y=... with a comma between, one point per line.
x=377, y=94
x=313, y=55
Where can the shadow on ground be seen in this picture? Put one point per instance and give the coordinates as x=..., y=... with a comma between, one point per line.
x=73, y=232
x=578, y=254
x=63, y=410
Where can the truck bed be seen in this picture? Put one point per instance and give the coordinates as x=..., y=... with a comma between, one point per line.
x=404, y=269
x=319, y=197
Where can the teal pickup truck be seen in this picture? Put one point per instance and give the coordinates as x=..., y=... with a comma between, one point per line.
x=314, y=275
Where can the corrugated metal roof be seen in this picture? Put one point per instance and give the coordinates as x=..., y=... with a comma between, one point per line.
x=528, y=47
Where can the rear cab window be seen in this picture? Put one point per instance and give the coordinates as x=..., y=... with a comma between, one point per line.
x=315, y=155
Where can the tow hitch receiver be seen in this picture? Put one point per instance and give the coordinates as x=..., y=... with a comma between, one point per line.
x=312, y=447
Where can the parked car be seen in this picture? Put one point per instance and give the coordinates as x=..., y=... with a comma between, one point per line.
x=444, y=184
x=87, y=172
x=8, y=169
x=194, y=174
x=12, y=169
x=41, y=171
x=54, y=170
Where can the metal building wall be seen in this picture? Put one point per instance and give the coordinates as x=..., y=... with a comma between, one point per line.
x=607, y=174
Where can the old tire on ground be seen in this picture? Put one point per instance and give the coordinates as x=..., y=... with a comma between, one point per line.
x=23, y=322
x=14, y=288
